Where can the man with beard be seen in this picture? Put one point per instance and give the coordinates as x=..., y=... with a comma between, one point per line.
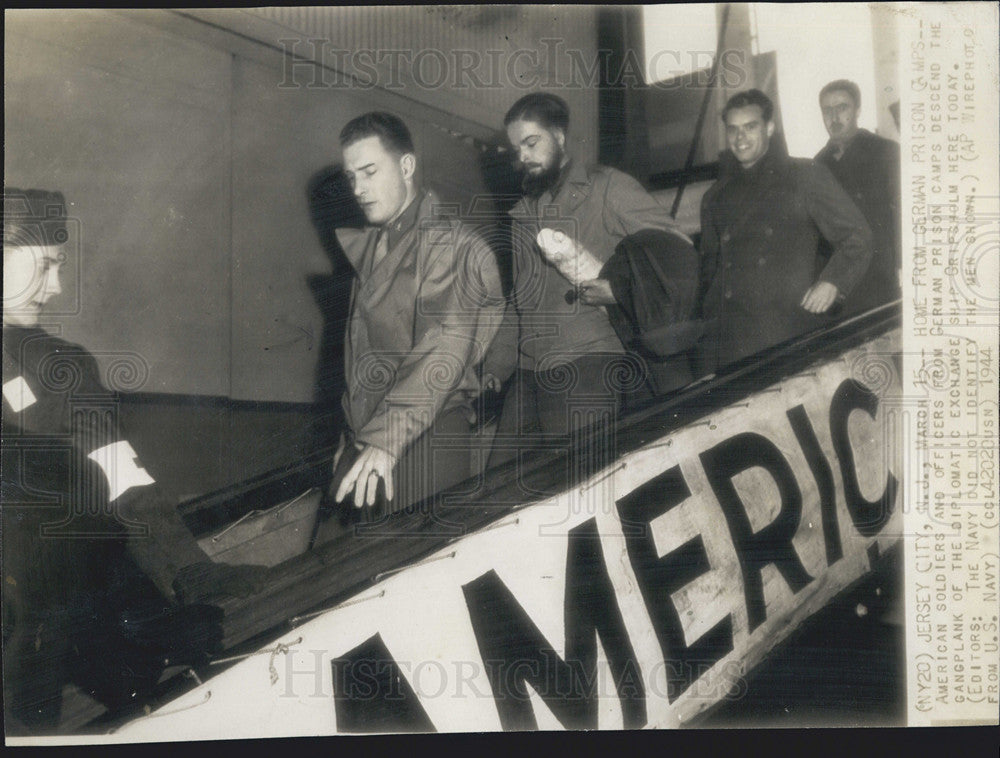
x=762, y=274
x=867, y=167
x=571, y=366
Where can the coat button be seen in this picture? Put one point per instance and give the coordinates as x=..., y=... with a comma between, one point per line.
x=768, y=231
x=726, y=237
x=761, y=261
x=729, y=264
x=729, y=295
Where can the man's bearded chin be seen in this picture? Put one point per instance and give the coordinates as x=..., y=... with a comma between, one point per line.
x=533, y=185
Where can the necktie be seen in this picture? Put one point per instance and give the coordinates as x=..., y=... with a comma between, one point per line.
x=381, y=247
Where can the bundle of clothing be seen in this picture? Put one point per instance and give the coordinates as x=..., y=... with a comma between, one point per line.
x=654, y=277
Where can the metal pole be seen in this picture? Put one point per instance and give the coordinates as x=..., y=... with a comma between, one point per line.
x=701, y=113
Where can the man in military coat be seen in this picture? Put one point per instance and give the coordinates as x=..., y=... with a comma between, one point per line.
x=762, y=277
x=425, y=305
x=867, y=167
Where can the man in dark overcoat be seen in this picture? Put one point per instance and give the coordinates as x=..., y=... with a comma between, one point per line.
x=762, y=275
x=867, y=167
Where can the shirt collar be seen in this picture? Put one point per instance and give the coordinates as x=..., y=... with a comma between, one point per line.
x=831, y=148
x=769, y=161
x=404, y=222
x=573, y=172
x=570, y=169
x=762, y=164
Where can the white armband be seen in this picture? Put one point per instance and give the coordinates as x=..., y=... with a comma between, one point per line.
x=18, y=394
x=121, y=466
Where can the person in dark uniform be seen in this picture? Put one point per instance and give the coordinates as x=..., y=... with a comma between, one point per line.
x=103, y=584
x=867, y=167
x=762, y=277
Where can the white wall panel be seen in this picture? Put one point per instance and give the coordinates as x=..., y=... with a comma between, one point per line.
x=133, y=126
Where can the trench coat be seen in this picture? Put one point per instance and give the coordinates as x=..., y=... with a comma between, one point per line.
x=420, y=322
x=761, y=229
x=869, y=172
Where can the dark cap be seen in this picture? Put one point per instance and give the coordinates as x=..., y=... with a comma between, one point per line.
x=33, y=217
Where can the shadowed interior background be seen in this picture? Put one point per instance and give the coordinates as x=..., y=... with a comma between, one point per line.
x=188, y=148
x=198, y=148
x=198, y=152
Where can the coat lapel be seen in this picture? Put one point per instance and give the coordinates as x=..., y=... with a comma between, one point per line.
x=394, y=258
x=574, y=190
x=359, y=246
x=765, y=184
x=355, y=242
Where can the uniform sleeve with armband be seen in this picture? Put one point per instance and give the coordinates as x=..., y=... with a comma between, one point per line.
x=53, y=388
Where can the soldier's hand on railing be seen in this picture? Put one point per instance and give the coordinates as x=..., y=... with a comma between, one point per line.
x=490, y=383
x=372, y=465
